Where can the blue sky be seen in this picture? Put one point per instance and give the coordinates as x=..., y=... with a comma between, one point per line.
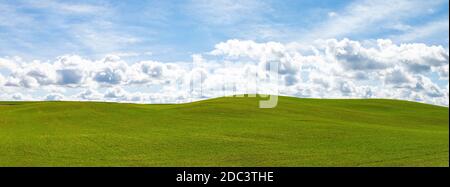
x=174, y=30
x=149, y=51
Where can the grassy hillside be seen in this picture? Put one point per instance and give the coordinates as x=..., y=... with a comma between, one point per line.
x=225, y=132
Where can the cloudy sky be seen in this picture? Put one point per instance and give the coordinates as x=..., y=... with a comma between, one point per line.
x=181, y=51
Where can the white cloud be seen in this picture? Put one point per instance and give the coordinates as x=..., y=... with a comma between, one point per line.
x=434, y=30
x=20, y=97
x=367, y=16
x=100, y=36
x=67, y=8
x=326, y=69
x=226, y=12
x=332, y=14
x=116, y=93
x=8, y=64
x=346, y=68
x=353, y=56
x=54, y=97
x=442, y=72
x=397, y=77
x=90, y=94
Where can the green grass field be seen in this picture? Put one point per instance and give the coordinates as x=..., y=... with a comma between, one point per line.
x=225, y=132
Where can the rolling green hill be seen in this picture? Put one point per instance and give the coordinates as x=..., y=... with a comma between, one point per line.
x=225, y=132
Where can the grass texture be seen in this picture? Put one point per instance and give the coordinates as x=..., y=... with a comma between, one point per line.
x=229, y=131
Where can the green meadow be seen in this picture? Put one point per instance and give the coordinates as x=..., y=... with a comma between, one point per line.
x=228, y=131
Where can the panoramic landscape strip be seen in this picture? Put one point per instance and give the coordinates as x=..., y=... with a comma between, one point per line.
x=263, y=84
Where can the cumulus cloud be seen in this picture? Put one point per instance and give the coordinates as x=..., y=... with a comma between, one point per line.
x=353, y=56
x=69, y=76
x=347, y=68
x=2, y=80
x=54, y=97
x=397, y=77
x=116, y=93
x=325, y=69
x=15, y=97
x=109, y=75
x=90, y=94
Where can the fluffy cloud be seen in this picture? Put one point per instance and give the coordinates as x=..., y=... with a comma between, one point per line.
x=346, y=68
x=325, y=69
x=16, y=97
x=90, y=94
x=109, y=75
x=116, y=93
x=2, y=80
x=397, y=77
x=352, y=56
x=54, y=97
